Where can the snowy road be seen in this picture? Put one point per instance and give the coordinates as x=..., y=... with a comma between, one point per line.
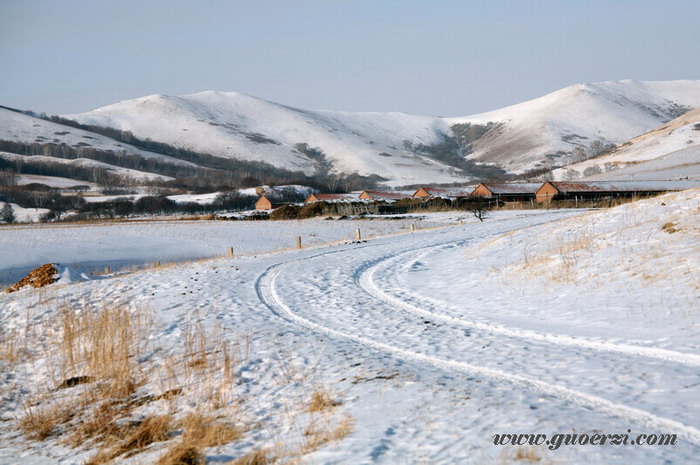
x=336, y=293
x=427, y=375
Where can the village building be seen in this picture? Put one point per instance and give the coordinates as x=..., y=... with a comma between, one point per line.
x=506, y=192
x=331, y=198
x=387, y=196
x=591, y=190
x=441, y=192
x=264, y=203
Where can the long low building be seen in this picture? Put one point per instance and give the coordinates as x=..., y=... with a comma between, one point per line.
x=584, y=190
x=332, y=198
x=382, y=195
x=442, y=192
x=507, y=191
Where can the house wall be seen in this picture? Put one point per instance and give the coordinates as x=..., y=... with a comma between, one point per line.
x=545, y=193
x=481, y=191
x=366, y=196
x=263, y=204
x=421, y=193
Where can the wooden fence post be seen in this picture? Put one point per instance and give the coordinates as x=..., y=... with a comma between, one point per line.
x=298, y=242
x=230, y=252
x=358, y=235
x=412, y=227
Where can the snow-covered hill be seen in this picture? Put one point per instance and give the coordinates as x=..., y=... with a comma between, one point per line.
x=240, y=126
x=19, y=127
x=667, y=152
x=125, y=173
x=550, y=130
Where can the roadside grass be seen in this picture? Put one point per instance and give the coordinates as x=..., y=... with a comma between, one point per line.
x=107, y=388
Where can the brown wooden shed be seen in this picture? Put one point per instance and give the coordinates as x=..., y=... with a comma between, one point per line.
x=380, y=195
x=330, y=198
x=444, y=193
x=506, y=191
x=264, y=203
x=586, y=190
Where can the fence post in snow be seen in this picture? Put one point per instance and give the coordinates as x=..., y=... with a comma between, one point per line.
x=298, y=242
x=230, y=252
x=412, y=227
x=358, y=235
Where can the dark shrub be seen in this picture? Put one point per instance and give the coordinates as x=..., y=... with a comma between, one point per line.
x=286, y=212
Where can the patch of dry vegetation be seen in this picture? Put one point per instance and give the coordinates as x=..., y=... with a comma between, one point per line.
x=102, y=369
x=321, y=401
x=524, y=455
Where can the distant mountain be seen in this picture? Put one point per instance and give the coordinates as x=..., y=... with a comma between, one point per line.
x=667, y=152
x=235, y=125
x=578, y=121
x=559, y=129
x=549, y=131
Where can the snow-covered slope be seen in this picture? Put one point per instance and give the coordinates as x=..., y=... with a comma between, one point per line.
x=125, y=173
x=19, y=127
x=669, y=151
x=533, y=134
x=428, y=343
x=240, y=126
x=548, y=130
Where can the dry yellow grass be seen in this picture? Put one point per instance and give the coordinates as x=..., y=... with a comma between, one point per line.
x=670, y=227
x=257, y=457
x=317, y=435
x=199, y=430
x=321, y=400
x=133, y=438
x=100, y=369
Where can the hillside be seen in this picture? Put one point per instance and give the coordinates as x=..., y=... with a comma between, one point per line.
x=667, y=152
x=235, y=125
x=577, y=121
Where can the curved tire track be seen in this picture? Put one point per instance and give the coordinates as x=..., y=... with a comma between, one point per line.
x=364, y=278
x=267, y=292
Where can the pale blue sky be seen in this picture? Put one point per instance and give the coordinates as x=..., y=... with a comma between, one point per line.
x=432, y=57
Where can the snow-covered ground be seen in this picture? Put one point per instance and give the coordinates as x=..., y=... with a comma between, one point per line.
x=93, y=247
x=530, y=322
x=54, y=181
x=126, y=173
x=27, y=215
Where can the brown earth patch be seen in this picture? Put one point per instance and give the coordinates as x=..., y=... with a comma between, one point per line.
x=40, y=277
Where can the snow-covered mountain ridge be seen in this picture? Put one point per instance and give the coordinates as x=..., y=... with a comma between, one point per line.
x=542, y=132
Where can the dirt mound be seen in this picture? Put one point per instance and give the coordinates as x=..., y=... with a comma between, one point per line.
x=42, y=276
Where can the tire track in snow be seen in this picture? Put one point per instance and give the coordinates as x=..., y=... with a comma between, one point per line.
x=364, y=278
x=267, y=293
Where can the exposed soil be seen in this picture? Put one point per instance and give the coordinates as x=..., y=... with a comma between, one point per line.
x=40, y=277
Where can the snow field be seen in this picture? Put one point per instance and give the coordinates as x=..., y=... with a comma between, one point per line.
x=92, y=247
x=432, y=341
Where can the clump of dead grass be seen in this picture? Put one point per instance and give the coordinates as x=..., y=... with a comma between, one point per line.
x=318, y=433
x=670, y=227
x=322, y=400
x=199, y=431
x=524, y=455
x=133, y=437
x=256, y=457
